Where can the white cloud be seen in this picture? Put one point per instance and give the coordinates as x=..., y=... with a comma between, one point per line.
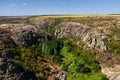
x=12, y=5
x=24, y=4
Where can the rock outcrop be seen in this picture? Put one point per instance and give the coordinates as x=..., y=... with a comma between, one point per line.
x=113, y=73
x=61, y=76
x=91, y=38
x=5, y=39
x=22, y=34
x=9, y=70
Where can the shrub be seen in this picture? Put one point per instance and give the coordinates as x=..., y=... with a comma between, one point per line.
x=114, y=47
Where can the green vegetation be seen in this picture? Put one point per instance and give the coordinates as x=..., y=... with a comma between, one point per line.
x=79, y=64
x=53, y=24
x=35, y=57
x=114, y=47
x=115, y=32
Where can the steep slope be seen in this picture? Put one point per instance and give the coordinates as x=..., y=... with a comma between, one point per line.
x=92, y=39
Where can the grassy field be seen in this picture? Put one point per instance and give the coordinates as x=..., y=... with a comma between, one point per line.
x=76, y=16
x=61, y=16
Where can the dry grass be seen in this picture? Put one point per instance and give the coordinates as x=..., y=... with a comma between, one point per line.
x=77, y=16
x=62, y=16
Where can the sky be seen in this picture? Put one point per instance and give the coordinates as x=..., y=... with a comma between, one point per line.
x=49, y=7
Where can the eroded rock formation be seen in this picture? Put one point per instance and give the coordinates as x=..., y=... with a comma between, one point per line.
x=91, y=38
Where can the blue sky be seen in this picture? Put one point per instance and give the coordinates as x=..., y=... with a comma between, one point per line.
x=41, y=7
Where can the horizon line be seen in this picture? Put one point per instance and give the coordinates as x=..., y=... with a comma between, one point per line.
x=57, y=15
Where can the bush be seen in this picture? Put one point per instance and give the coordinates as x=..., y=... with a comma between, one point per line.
x=114, y=47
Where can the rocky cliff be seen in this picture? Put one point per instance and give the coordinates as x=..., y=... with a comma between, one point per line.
x=91, y=38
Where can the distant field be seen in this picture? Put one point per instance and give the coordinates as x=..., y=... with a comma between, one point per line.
x=75, y=16
x=61, y=16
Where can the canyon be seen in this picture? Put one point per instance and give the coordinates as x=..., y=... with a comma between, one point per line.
x=27, y=39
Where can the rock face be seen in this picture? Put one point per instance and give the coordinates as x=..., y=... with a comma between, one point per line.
x=91, y=38
x=22, y=34
x=12, y=71
x=61, y=76
x=54, y=72
x=113, y=73
x=5, y=39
